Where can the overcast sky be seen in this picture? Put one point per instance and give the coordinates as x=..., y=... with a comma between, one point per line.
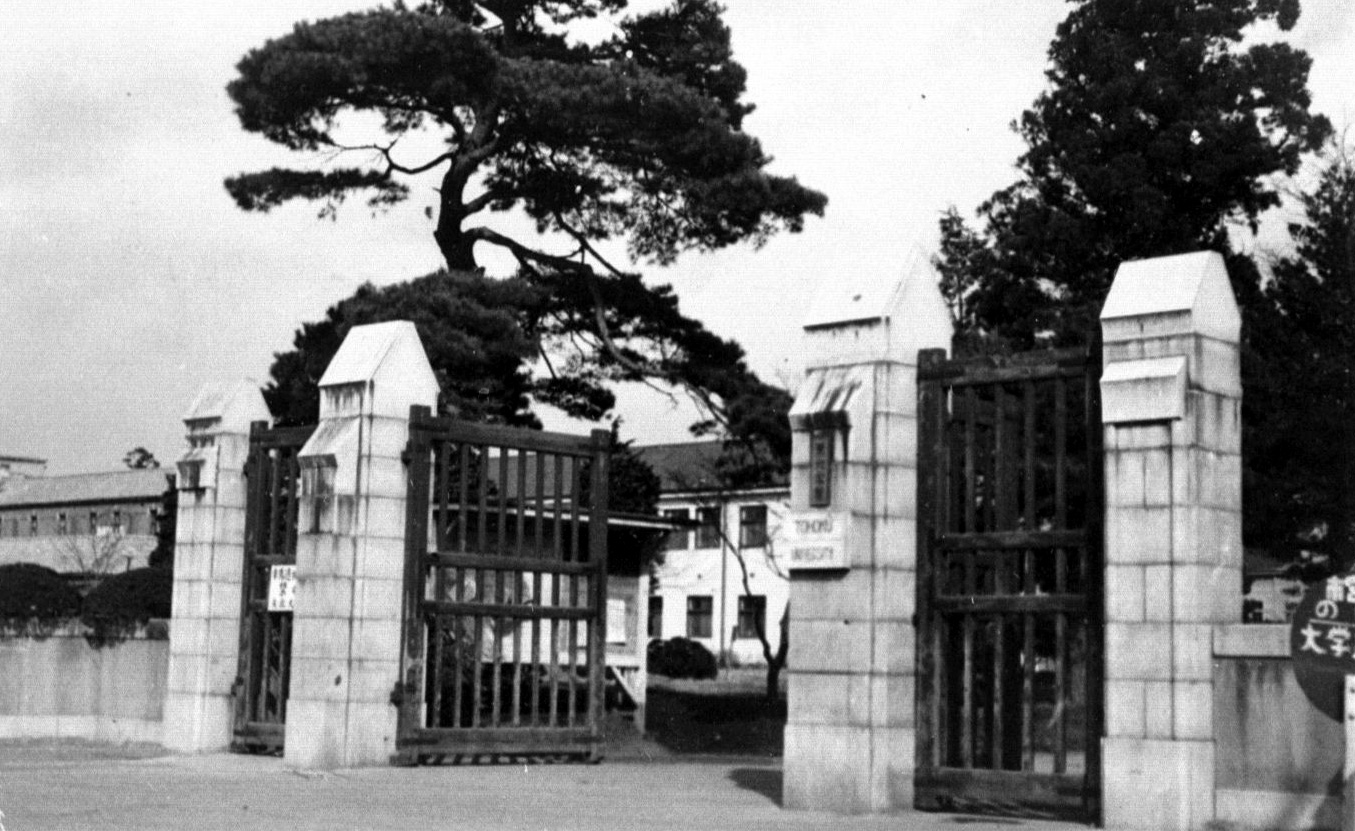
x=128, y=278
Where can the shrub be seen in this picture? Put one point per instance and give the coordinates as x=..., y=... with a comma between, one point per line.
x=680, y=658
x=34, y=599
x=120, y=605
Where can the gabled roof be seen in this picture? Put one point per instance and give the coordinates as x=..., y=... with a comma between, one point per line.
x=688, y=466
x=113, y=486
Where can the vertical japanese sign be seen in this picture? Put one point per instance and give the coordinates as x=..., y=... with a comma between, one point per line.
x=281, y=588
x=1320, y=642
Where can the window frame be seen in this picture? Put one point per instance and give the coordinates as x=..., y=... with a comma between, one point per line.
x=654, y=624
x=747, y=540
x=696, y=614
x=680, y=539
x=708, y=533
x=751, y=607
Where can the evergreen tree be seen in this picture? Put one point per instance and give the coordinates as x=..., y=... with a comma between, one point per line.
x=1299, y=409
x=1160, y=129
x=636, y=138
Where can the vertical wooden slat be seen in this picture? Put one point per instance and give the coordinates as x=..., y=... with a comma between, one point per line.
x=286, y=684
x=967, y=684
x=930, y=512
x=536, y=581
x=274, y=502
x=970, y=485
x=557, y=544
x=1028, y=668
x=261, y=710
x=597, y=556
x=413, y=630
x=1060, y=452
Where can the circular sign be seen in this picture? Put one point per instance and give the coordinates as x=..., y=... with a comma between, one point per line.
x=1322, y=642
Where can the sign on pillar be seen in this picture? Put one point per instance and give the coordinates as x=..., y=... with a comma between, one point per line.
x=1320, y=642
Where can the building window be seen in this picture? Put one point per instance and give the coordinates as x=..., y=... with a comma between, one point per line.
x=94, y=522
x=655, y=629
x=708, y=534
x=752, y=526
x=32, y=525
x=678, y=540
x=117, y=523
x=699, y=609
x=752, y=616
x=61, y=524
x=821, y=468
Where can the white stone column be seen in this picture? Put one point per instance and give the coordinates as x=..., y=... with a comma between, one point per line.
x=209, y=546
x=1171, y=402
x=850, y=734
x=350, y=551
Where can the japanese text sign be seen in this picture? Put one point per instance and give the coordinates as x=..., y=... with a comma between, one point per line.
x=1321, y=642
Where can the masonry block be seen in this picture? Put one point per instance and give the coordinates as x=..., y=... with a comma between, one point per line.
x=896, y=542
x=827, y=768
x=1157, y=593
x=839, y=698
x=893, y=699
x=371, y=681
x=188, y=636
x=376, y=639
x=1134, y=651
x=371, y=734
x=224, y=602
x=324, y=596
x=1126, y=708
x=1126, y=593
x=384, y=517
x=892, y=762
x=228, y=561
x=320, y=637
x=831, y=646
x=389, y=435
x=379, y=599
x=1138, y=535
x=1137, y=436
x=896, y=439
x=1158, y=785
x=190, y=598
x=1158, y=717
x=895, y=647
x=316, y=734
x=1193, y=710
x=896, y=490
x=894, y=595
x=830, y=595
x=382, y=558
x=223, y=638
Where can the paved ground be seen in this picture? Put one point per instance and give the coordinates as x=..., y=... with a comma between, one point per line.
x=68, y=791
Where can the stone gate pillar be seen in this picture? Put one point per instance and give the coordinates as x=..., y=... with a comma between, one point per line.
x=1171, y=402
x=350, y=550
x=851, y=548
x=209, y=546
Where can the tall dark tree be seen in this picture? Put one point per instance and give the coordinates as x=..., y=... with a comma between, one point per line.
x=1299, y=410
x=637, y=138
x=1160, y=129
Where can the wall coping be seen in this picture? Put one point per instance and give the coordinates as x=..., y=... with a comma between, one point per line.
x=1251, y=640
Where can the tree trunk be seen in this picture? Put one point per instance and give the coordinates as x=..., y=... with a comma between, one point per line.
x=777, y=662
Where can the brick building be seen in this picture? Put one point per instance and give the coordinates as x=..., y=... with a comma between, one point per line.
x=89, y=522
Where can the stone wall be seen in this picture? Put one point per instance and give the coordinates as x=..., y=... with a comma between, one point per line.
x=61, y=686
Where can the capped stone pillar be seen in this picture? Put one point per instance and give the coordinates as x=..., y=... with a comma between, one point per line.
x=350, y=550
x=851, y=545
x=1171, y=407
x=209, y=546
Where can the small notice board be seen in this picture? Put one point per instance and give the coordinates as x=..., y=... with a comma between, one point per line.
x=816, y=541
x=282, y=588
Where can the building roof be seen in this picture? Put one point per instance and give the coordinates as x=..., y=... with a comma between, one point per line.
x=113, y=486
x=688, y=466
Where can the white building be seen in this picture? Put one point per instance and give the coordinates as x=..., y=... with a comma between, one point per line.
x=699, y=591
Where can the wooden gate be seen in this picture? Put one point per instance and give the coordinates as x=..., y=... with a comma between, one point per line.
x=273, y=481
x=1009, y=585
x=505, y=593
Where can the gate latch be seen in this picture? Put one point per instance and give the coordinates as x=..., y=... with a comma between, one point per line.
x=237, y=687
